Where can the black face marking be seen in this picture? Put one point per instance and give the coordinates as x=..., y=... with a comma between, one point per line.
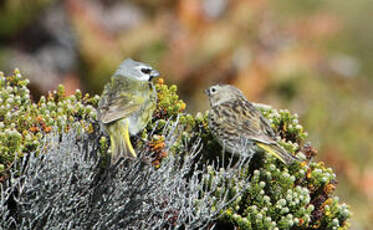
x=146, y=70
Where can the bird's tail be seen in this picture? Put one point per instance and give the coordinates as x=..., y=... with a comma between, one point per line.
x=120, y=141
x=279, y=152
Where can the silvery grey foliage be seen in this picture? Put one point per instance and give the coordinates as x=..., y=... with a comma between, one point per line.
x=64, y=186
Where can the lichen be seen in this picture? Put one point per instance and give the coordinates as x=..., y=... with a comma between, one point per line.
x=263, y=193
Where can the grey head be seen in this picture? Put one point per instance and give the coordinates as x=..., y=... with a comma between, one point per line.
x=222, y=93
x=136, y=70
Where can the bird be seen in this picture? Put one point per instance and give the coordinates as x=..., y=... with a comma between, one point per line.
x=234, y=121
x=126, y=105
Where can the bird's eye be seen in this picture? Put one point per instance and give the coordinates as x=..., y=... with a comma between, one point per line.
x=146, y=71
x=213, y=90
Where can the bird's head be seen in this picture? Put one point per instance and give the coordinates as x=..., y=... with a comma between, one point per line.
x=218, y=94
x=136, y=70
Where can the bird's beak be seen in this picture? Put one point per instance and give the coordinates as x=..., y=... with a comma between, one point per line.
x=206, y=91
x=154, y=73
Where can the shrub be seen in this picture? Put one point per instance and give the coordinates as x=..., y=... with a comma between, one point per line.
x=55, y=175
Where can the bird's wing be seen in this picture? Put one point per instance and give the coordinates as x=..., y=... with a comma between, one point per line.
x=266, y=126
x=117, y=108
x=118, y=102
x=253, y=125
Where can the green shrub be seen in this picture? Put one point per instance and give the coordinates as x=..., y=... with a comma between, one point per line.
x=262, y=193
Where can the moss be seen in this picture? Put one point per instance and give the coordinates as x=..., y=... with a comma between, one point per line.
x=267, y=194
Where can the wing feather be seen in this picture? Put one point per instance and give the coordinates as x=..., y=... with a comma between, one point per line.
x=118, y=102
x=249, y=121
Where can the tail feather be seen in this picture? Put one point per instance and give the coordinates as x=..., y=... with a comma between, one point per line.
x=120, y=141
x=279, y=152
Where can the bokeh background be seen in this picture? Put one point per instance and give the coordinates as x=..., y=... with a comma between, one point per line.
x=314, y=57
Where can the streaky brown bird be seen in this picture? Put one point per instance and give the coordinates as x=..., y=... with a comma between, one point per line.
x=237, y=124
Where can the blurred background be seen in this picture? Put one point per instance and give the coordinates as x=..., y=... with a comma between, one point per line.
x=313, y=57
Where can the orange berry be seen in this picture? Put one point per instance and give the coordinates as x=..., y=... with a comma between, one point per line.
x=182, y=107
x=329, y=188
x=39, y=118
x=301, y=222
x=164, y=154
x=160, y=81
x=34, y=129
x=48, y=129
